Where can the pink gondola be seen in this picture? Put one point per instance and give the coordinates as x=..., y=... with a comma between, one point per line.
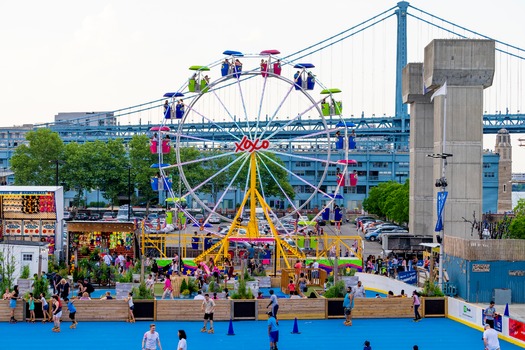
x=347, y=161
x=160, y=128
x=270, y=52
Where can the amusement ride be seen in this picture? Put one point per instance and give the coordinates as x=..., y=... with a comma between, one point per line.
x=256, y=92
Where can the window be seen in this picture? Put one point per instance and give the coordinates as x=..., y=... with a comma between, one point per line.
x=379, y=164
x=27, y=257
x=403, y=164
x=490, y=174
x=504, y=188
x=486, y=165
x=303, y=164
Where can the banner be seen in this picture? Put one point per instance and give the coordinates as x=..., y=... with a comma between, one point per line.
x=498, y=323
x=517, y=329
x=441, y=199
x=409, y=277
x=467, y=312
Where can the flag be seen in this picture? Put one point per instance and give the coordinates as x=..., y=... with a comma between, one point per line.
x=442, y=91
x=441, y=199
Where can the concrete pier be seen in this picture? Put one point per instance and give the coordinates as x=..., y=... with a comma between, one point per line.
x=421, y=200
x=467, y=66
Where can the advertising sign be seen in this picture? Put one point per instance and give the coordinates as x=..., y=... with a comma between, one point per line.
x=517, y=329
x=409, y=277
x=467, y=312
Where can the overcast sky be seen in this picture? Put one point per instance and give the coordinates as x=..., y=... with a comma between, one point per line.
x=63, y=56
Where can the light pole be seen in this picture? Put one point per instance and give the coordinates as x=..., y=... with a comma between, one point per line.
x=129, y=192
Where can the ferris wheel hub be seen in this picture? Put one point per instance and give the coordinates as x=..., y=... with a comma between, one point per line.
x=247, y=145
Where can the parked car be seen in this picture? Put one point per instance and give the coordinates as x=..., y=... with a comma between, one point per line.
x=199, y=218
x=374, y=235
x=358, y=219
x=214, y=219
x=305, y=221
x=67, y=216
x=108, y=216
x=94, y=216
x=81, y=216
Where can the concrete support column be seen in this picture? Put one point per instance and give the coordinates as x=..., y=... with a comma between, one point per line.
x=421, y=200
x=467, y=66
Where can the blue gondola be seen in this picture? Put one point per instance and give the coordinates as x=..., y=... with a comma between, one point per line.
x=304, y=80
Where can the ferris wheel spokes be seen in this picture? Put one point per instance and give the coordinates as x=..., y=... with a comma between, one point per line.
x=211, y=121
x=279, y=106
x=290, y=201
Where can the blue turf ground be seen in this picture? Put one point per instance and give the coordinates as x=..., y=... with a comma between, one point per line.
x=396, y=334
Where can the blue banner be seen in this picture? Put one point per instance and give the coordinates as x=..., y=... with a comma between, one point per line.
x=409, y=277
x=441, y=199
x=498, y=323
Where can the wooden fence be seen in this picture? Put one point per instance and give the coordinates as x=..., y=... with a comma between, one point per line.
x=485, y=250
x=190, y=310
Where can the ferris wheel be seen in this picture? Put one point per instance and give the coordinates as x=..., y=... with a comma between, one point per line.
x=240, y=133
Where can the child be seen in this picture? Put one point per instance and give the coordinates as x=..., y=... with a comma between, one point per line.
x=131, y=305
x=45, y=307
x=291, y=287
x=168, y=289
x=57, y=313
x=72, y=312
x=367, y=345
x=31, y=302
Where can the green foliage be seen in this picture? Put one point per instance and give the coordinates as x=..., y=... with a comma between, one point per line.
x=389, y=200
x=431, y=289
x=517, y=228
x=97, y=204
x=25, y=272
x=192, y=285
x=40, y=285
x=247, y=276
x=335, y=291
x=519, y=209
x=347, y=271
x=214, y=287
x=52, y=264
x=126, y=277
x=183, y=285
x=7, y=269
x=242, y=292
x=34, y=164
x=142, y=292
x=185, y=292
x=84, y=250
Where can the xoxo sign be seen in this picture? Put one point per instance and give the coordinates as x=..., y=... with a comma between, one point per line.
x=250, y=146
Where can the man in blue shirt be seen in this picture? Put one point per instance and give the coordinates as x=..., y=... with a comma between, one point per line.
x=273, y=331
x=348, y=304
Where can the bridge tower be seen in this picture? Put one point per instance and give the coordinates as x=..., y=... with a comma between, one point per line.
x=401, y=115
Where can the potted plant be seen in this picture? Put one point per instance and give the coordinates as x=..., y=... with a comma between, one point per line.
x=185, y=294
x=433, y=300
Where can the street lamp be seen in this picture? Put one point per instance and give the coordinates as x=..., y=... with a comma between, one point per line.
x=129, y=192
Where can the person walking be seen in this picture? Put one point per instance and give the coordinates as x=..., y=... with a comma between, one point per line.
x=274, y=304
x=490, y=338
x=273, y=330
x=168, y=288
x=131, y=306
x=151, y=339
x=360, y=290
x=490, y=314
x=12, y=303
x=415, y=304
x=208, y=306
x=182, y=340
x=348, y=304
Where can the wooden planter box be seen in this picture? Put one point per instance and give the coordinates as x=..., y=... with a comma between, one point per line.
x=145, y=309
x=190, y=310
x=291, y=308
x=372, y=308
x=244, y=309
x=98, y=310
x=433, y=307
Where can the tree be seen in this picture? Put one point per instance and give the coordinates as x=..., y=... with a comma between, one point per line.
x=517, y=226
x=34, y=164
x=389, y=200
x=7, y=267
